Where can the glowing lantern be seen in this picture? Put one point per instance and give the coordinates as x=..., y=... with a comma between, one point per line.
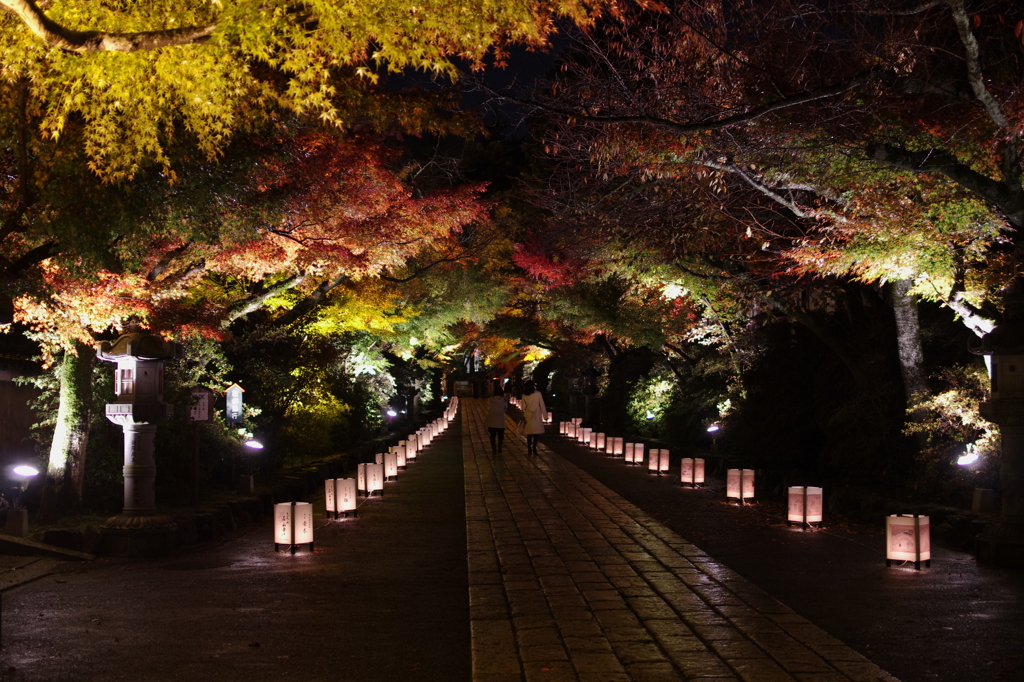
x=561, y=428
x=585, y=434
x=908, y=538
x=578, y=421
x=391, y=464
x=548, y=418
x=379, y=457
x=401, y=455
x=638, y=453
x=361, y=477
x=597, y=441
x=374, y=479
x=658, y=461
x=293, y=525
x=340, y=497
x=691, y=472
x=739, y=484
x=617, y=444
x=805, y=505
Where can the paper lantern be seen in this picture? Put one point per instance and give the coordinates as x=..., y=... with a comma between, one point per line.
x=658, y=460
x=561, y=428
x=739, y=484
x=411, y=454
x=805, y=505
x=585, y=434
x=578, y=421
x=691, y=472
x=379, y=457
x=548, y=417
x=614, y=447
x=340, y=497
x=391, y=464
x=597, y=441
x=908, y=538
x=374, y=479
x=638, y=453
x=401, y=458
x=361, y=477
x=293, y=525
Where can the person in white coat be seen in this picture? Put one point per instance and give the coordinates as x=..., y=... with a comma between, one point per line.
x=533, y=413
x=497, y=404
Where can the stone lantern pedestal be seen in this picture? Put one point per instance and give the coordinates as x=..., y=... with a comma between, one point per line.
x=139, y=410
x=1003, y=543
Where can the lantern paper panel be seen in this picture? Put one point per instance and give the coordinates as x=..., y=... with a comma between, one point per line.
x=391, y=464
x=293, y=525
x=908, y=538
x=585, y=434
x=561, y=428
x=577, y=420
x=815, y=499
x=330, y=506
x=597, y=441
x=739, y=484
x=627, y=452
x=638, y=453
x=400, y=456
x=691, y=471
x=616, y=444
x=379, y=458
x=345, y=495
x=361, y=477
x=663, y=459
x=653, y=460
x=374, y=478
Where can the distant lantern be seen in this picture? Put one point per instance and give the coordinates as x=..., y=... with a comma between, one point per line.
x=585, y=434
x=374, y=479
x=378, y=458
x=293, y=525
x=391, y=465
x=634, y=453
x=805, y=505
x=618, y=445
x=908, y=538
x=402, y=455
x=234, y=404
x=691, y=472
x=412, y=453
x=740, y=484
x=597, y=441
x=330, y=506
x=561, y=428
x=577, y=421
x=548, y=417
x=361, y=477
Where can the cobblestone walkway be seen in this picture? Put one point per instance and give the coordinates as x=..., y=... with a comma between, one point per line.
x=569, y=581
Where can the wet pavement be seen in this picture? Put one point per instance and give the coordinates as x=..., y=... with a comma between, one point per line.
x=516, y=568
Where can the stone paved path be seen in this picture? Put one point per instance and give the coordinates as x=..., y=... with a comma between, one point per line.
x=569, y=581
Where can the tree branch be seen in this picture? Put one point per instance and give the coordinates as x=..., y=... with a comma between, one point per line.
x=304, y=306
x=81, y=42
x=253, y=304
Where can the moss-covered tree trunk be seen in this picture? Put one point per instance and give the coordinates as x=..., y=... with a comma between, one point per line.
x=65, y=472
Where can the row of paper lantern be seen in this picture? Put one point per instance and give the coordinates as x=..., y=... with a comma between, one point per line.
x=907, y=537
x=293, y=522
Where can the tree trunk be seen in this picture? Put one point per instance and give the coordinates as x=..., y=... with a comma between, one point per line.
x=65, y=472
x=908, y=343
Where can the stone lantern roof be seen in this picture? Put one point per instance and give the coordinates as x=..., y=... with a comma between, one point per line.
x=139, y=345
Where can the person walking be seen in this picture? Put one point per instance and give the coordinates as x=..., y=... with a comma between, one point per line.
x=497, y=404
x=533, y=413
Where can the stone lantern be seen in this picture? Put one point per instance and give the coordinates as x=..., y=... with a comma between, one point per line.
x=1003, y=543
x=138, y=410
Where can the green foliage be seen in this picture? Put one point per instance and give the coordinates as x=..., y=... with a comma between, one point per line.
x=949, y=420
